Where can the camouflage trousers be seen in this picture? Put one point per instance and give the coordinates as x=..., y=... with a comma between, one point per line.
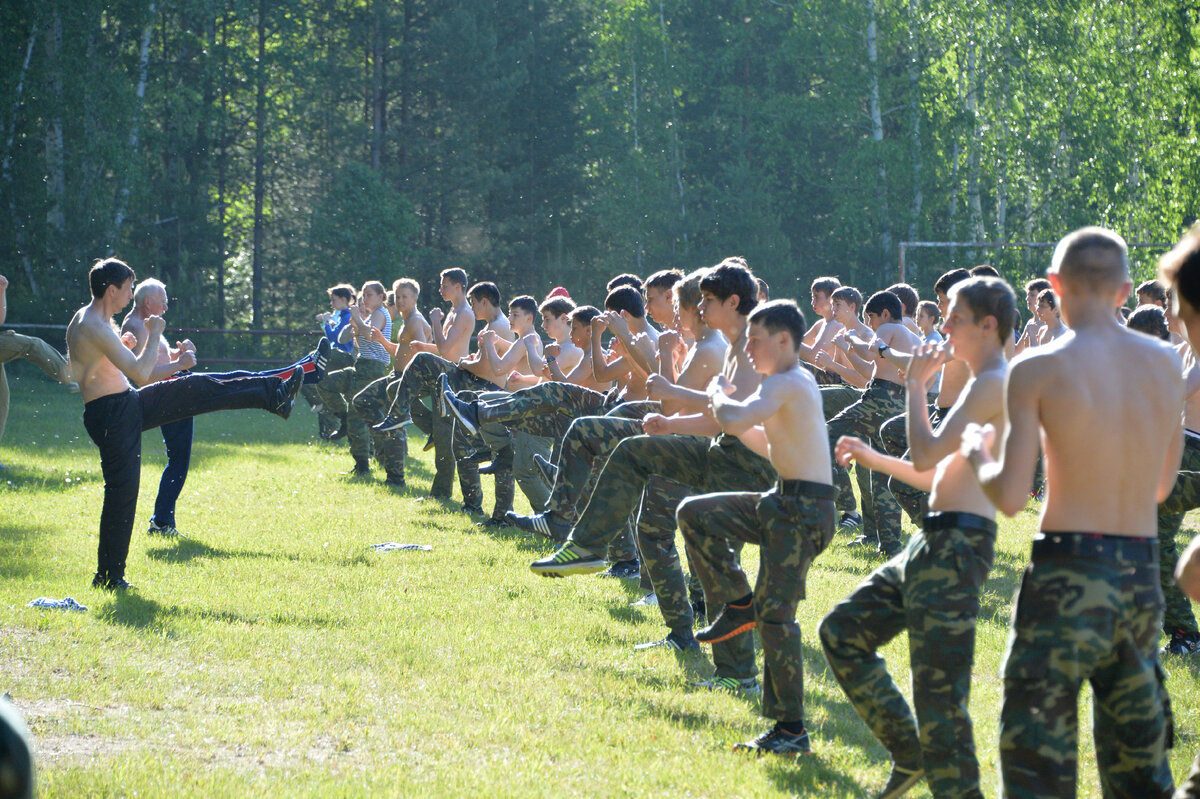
x=893, y=436
x=791, y=524
x=704, y=465
x=420, y=379
x=327, y=421
x=662, y=571
x=13, y=345
x=881, y=515
x=371, y=404
x=1096, y=618
x=523, y=446
x=336, y=392
x=834, y=400
x=1177, y=613
x=931, y=590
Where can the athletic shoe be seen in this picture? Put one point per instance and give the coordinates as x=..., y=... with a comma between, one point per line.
x=650, y=600
x=546, y=470
x=285, y=395
x=109, y=584
x=729, y=622
x=476, y=509
x=340, y=433
x=362, y=468
x=891, y=551
x=624, y=569
x=395, y=480
x=568, y=560
x=776, y=741
x=443, y=384
x=476, y=456
x=1182, y=643
x=863, y=541
x=321, y=362
x=543, y=524
x=495, y=524
x=390, y=423
x=749, y=686
x=501, y=461
x=678, y=641
x=850, y=521
x=318, y=408
x=165, y=530
x=464, y=412
x=900, y=782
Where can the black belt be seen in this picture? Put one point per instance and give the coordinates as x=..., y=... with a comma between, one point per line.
x=945, y=520
x=1093, y=545
x=879, y=382
x=805, y=488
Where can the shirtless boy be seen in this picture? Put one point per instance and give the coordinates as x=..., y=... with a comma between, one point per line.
x=115, y=414
x=1089, y=606
x=931, y=590
x=792, y=523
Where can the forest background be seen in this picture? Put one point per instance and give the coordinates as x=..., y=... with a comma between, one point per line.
x=251, y=153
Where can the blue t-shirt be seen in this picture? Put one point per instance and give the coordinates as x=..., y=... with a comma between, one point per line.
x=334, y=327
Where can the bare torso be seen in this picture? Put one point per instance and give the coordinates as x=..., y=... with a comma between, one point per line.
x=797, y=441
x=91, y=368
x=955, y=487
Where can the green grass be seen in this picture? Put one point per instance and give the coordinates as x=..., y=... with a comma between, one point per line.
x=271, y=653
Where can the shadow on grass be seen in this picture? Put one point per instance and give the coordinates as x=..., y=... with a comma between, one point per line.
x=995, y=603
x=130, y=609
x=14, y=543
x=189, y=549
x=15, y=478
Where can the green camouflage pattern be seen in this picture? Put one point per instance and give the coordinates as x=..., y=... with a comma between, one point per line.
x=336, y=392
x=1185, y=496
x=327, y=421
x=931, y=590
x=371, y=404
x=834, y=400
x=13, y=345
x=790, y=532
x=880, y=512
x=660, y=557
x=1083, y=618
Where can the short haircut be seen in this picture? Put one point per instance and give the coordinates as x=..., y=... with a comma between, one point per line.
x=584, y=314
x=687, y=291
x=625, y=279
x=984, y=270
x=628, y=299
x=1154, y=290
x=885, y=301
x=781, y=315
x=948, y=279
x=1151, y=320
x=390, y=298
x=907, y=296
x=343, y=290
x=1037, y=285
x=1049, y=297
x=1180, y=268
x=664, y=280
x=1091, y=258
x=928, y=307
x=558, y=306
x=407, y=283
x=485, y=290
x=455, y=275
x=524, y=303
x=764, y=289
x=108, y=272
x=825, y=285
x=731, y=277
x=989, y=296
x=850, y=295
x=374, y=286
x=142, y=290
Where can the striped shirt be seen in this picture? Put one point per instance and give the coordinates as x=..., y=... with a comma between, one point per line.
x=369, y=348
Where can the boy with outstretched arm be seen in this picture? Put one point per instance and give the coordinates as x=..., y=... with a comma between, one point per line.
x=1089, y=606
x=792, y=523
x=932, y=589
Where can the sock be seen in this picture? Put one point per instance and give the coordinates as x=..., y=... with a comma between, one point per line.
x=791, y=727
x=744, y=602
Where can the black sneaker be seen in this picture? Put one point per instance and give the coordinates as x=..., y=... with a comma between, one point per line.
x=776, y=741
x=395, y=480
x=493, y=524
x=362, y=469
x=475, y=509
x=464, y=412
x=340, y=433
x=390, y=423
x=850, y=521
x=285, y=396
x=109, y=584
x=542, y=524
x=682, y=641
x=477, y=456
x=502, y=461
x=443, y=386
x=900, y=782
x=890, y=551
x=1182, y=643
x=321, y=361
x=429, y=444
x=546, y=470
x=624, y=569
x=729, y=622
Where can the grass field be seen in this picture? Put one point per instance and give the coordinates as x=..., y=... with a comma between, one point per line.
x=272, y=653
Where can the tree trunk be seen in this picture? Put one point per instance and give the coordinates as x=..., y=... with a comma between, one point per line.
x=222, y=166
x=881, y=192
x=55, y=169
x=914, y=111
x=6, y=167
x=260, y=157
x=379, y=45
x=675, y=159
x=134, y=132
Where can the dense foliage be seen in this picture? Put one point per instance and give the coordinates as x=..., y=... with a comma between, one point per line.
x=252, y=152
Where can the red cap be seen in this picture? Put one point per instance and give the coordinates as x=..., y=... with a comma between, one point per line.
x=558, y=291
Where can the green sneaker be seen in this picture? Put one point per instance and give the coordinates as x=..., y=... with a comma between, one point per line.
x=749, y=686
x=568, y=560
